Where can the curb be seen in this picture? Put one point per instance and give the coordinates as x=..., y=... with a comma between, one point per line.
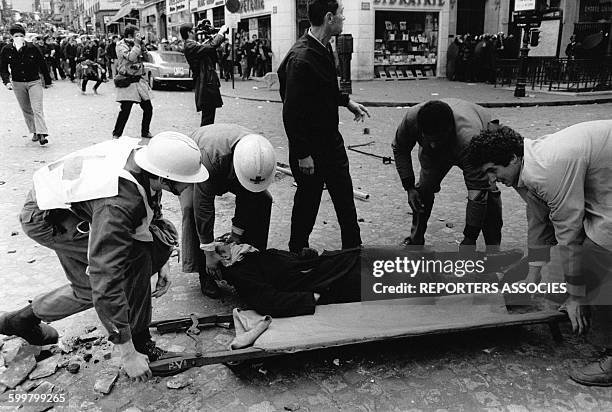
x=602, y=100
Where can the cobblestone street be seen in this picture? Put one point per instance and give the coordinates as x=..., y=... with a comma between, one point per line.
x=512, y=369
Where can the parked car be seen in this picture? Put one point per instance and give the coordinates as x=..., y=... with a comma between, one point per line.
x=167, y=67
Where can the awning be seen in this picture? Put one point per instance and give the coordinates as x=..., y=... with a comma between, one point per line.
x=123, y=11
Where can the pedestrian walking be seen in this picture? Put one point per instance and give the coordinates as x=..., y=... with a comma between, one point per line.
x=317, y=156
x=26, y=62
x=134, y=87
x=202, y=58
x=72, y=54
x=111, y=55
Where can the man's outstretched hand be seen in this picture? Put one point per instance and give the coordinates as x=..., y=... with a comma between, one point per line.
x=358, y=110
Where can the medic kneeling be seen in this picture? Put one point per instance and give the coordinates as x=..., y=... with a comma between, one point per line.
x=99, y=210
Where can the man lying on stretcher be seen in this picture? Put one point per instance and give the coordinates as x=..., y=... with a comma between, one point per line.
x=279, y=283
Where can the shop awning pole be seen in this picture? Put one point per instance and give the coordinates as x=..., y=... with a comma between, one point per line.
x=233, y=56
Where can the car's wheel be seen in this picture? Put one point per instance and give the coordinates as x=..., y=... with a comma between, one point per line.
x=152, y=82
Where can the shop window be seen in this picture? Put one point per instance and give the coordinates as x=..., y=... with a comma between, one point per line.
x=405, y=44
x=218, y=14
x=301, y=15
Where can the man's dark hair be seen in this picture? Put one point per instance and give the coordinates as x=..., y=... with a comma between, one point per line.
x=185, y=29
x=496, y=145
x=317, y=9
x=435, y=117
x=130, y=29
x=17, y=28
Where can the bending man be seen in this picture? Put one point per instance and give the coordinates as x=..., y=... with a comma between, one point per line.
x=94, y=208
x=443, y=129
x=239, y=162
x=566, y=180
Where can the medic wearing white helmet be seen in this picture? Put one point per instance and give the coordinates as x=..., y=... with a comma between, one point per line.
x=240, y=162
x=99, y=210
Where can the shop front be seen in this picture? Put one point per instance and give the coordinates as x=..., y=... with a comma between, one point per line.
x=407, y=38
x=271, y=23
x=178, y=13
x=153, y=20
x=213, y=10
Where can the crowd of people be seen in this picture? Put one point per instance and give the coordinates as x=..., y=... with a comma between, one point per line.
x=102, y=213
x=473, y=58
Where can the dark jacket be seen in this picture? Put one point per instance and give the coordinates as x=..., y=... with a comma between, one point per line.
x=111, y=248
x=202, y=59
x=279, y=283
x=71, y=52
x=310, y=94
x=111, y=51
x=26, y=64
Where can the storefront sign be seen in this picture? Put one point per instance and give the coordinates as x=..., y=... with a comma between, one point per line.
x=411, y=3
x=247, y=6
x=365, y=5
x=175, y=6
x=524, y=5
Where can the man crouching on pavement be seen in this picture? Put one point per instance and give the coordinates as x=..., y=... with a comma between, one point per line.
x=566, y=180
x=239, y=162
x=95, y=209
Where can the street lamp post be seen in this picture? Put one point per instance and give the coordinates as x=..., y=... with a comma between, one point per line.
x=521, y=80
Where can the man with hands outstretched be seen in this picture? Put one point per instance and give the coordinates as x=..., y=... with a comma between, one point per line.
x=566, y=180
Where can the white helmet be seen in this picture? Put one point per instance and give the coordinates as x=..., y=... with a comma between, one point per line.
x=173, y=156
x=254, y=162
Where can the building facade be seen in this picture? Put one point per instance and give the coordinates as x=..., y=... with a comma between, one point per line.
x=178, y=13
x=153, y=20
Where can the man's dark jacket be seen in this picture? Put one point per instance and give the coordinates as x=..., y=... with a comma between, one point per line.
x=202, y=59
x=279, y=283
x=310, y=94
x=26, y=64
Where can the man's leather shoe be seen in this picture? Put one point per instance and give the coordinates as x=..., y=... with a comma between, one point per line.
x=35, y=137
x=147, y=135
x=25, y=324
x=156, y=353
x=597, y=373
x=209, y=287
x=42, y=139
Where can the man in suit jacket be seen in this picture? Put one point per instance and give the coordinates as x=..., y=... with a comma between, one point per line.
x=310, y=94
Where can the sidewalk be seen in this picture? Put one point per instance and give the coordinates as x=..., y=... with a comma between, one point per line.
x=377, y=93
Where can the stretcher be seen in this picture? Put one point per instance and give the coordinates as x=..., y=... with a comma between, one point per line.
x=354, y=323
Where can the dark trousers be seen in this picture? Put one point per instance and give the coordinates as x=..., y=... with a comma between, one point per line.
x=490, y=224
x=84, y=84
x=228, y=66
x=208, y=116
x=252, y=213
x=71, y=247
x=597, y=274
x=124, y=115
x=331, y=169
x=56, y=68
x=72, y=65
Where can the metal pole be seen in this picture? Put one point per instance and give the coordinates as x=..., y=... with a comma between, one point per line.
x=521, y=80
x=233, y=56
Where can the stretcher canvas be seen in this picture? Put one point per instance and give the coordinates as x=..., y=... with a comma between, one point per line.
x=350, y=323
